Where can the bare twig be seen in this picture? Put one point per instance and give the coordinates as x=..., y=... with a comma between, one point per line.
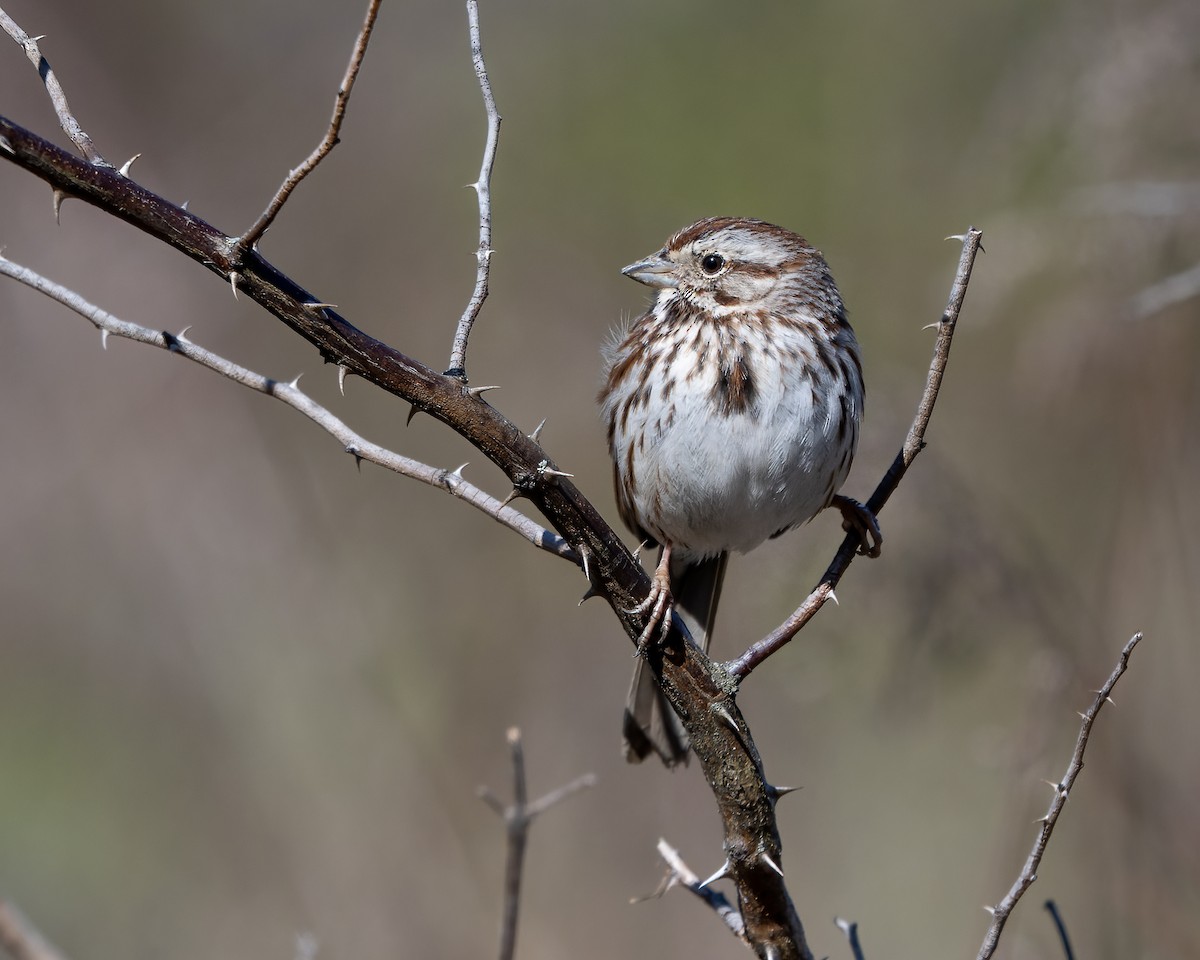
x=20, y=939
x=252, y=236
x=483, y=189
x=57, y=96
x=1062, y=789
x=518, y=817
x=850, y=929
x=289, y=393
x=1167, y=292
x=741, y=667
x=680, y=874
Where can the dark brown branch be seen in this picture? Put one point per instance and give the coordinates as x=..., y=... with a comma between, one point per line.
x=518, y=818
x=1062, y=790
x=252, y=236
x=778, y=638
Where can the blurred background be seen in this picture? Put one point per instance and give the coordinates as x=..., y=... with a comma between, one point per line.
x=248, y=690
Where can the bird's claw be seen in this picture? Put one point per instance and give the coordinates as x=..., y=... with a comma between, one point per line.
x=858, y=518
x=660, y=606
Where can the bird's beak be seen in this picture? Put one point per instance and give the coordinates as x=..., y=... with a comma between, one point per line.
x=655, y=271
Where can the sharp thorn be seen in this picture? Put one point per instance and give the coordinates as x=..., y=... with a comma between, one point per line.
x=103, y=338
x=1110, y=700
x=59, y=197
x=317, y=307
x=353, y=451
x=537, y=431
x=295, y=384
x=457, y=472
x=591, y=592
x=932, y=326
x=587, y=567
x=991, y=910
x=511, y=497
x=124, y=171
x=722, y=872
x=181, y=336
x=1082, y=715
x=1056, y=787
x=184, y=205
x=771, y=863
x=412, y=412
x=342, y=379
x=234, y=277
x=774, y=792
x=551, y=472
x=40, y=36
x=833, y=597
x=726, y=716
x=479, y=391
x=6, y=146
x=960, y=237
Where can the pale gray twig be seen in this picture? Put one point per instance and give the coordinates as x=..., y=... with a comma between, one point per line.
x=483, y=189
x=252, y=236
x=914, y=442
x=518, y=817
x=289, y=393
x=57, y=96
x=680, y=874
x=21, y=939
x=1062, y=789
x=1165, y=293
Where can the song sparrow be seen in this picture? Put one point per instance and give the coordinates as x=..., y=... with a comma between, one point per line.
x=733, y=406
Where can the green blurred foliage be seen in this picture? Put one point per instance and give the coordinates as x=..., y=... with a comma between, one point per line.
x=247, y=690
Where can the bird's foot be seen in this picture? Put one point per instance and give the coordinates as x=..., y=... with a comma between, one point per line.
x=659, y=605
x=857, y=518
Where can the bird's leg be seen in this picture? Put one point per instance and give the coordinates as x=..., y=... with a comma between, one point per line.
x=659, y=603
x=858, y=519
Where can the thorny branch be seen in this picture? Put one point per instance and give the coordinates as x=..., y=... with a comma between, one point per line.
x=483, y=189
x=518, y=818
x=914, y=442
x=289, y=393
x=1062, y=790
x=252, y=236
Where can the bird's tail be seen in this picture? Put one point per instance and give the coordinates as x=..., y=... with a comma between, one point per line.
x=650, y=725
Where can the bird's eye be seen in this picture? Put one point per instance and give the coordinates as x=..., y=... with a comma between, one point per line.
x=712, y=263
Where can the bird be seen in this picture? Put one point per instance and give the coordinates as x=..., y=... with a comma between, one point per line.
x=732, y=407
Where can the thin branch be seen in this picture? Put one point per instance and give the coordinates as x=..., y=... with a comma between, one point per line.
x=914, y=442
x=483, y=189
x=21, y=939
x=1177, y=288
x=57, y=95
x=1052, y=907
x=1062, y=790
x=680, y=874
x=252, y=236
x=850, y=929
x=517, y=820
x=289, y=393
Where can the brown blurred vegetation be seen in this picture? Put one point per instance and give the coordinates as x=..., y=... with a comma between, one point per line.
x=248, y=690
